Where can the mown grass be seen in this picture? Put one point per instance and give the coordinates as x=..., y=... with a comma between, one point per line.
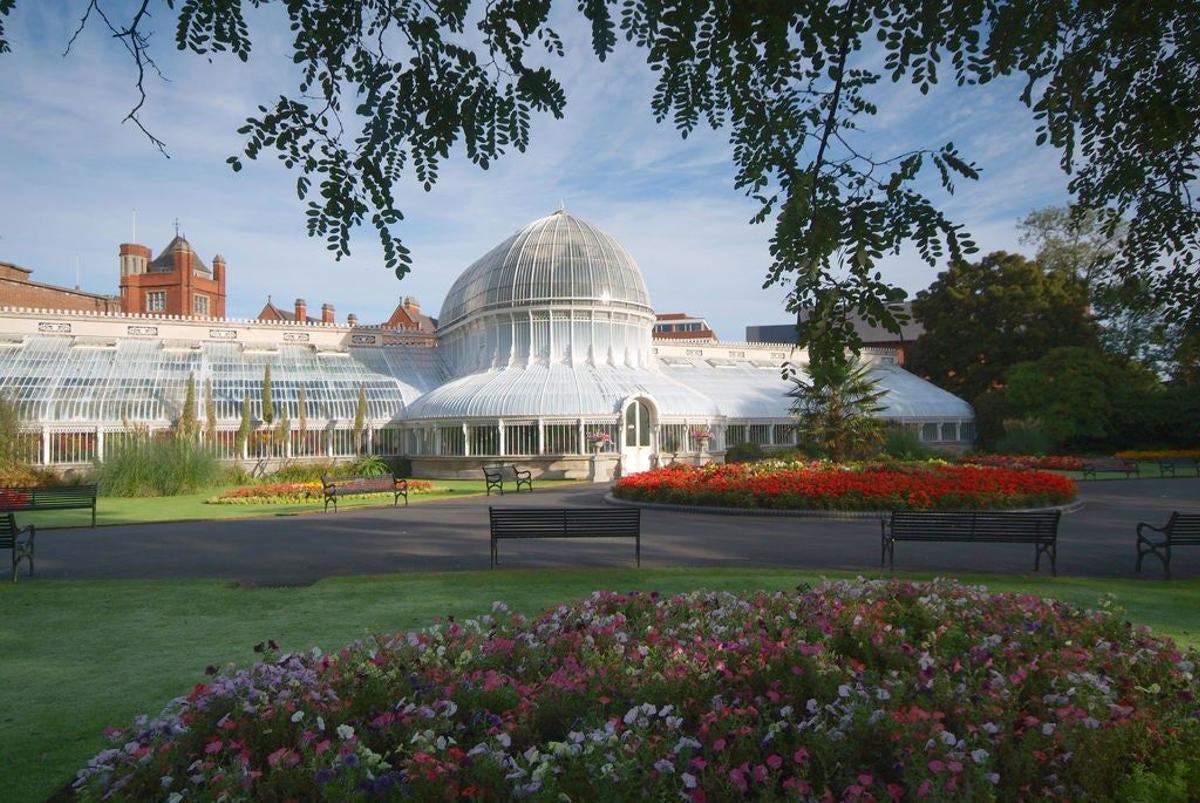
x=78, y=656
x=192, y=507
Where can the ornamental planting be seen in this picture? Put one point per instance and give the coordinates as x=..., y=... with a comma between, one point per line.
x=853, y=690
x=825, y=486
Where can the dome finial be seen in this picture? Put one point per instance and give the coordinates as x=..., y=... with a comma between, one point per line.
x=562, y=206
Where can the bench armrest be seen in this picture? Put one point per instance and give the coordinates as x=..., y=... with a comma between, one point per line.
x=29, y=529
x=1145, y=526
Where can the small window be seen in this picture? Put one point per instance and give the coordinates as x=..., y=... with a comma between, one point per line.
x=929, y=432
x=200, y=305
x=950, y=431
x=156, y=301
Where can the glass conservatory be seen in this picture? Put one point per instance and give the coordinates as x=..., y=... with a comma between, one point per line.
x=544, y=352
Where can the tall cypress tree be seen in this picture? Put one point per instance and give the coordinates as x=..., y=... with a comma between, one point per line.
x=187, y=426
x=210, y=411
x=302, y=403
x=243, y=431
x=360, y=418
x=268, y=407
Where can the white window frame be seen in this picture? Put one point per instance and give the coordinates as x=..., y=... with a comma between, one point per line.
x=151, y=296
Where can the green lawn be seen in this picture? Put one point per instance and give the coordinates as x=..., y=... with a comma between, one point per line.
x=78, y=656
x=190, y=507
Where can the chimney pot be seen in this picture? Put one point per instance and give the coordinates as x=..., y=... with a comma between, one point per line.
x=327, y=313
x=352, y=320
x=301, y=310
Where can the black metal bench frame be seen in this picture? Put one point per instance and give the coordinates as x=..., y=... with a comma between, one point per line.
x=10, y=539
x=1182, y=529
x=570, y=522
x=1171, y=464
x=1039, y=528
x=348, y=486
x=493, y=477
x=1114, y=466
x=52, y=497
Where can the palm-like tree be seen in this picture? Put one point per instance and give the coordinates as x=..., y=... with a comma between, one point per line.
x=836, y=405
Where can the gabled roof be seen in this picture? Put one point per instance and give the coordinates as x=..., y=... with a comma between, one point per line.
x=282, y=314
x=402, y=316
x=165, y=261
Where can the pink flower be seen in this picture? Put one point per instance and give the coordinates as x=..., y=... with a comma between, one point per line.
x=774, y=761
x=936, y=766
x=801, y=755
x=213, y=747
x=283, y=756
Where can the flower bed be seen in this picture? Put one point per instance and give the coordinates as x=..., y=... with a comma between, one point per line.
x=289, y=493
x=1054, y=462
x=819, y=486
x=1159, y=454
x=856, y=690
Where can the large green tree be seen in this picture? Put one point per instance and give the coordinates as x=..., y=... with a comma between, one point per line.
x=1081, y=396
x=388, y=88
x=1130, y=326
x=981, y=318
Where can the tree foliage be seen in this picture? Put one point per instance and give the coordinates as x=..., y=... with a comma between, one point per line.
x=1082, y=397
x=10, y=432
x=981, y=318
x=210, y=412
x=387, y=88
x=244, y=426
x=360, y=418
x=187, y=427
x=836, y=404
x=268, y=404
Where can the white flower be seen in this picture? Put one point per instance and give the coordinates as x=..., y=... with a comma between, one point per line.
x=1048, y=729
x=689, y=780
x=664, y=766
x=345, y=732
x=948, y=738
x=320, y=723
x=979, y=755
x=296, y=717
x=843, y=690
x=631, y=715
x=505, y=740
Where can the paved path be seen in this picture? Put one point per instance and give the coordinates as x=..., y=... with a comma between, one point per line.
x=453, y=535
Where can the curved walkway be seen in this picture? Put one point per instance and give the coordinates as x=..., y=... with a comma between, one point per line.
x=453, y=535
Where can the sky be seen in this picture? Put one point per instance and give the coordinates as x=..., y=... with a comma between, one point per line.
x=73, y=178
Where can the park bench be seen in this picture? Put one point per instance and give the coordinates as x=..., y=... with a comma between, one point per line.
x=53, y=497
x=576, y=522
x=1111, y=465
x=10, y=539
x=334, y=489
x=974, y=526
x=493, y=477
x=1182, y=529
x=1170, y=465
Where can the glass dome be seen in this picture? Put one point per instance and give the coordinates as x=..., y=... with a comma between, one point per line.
x=556, y=259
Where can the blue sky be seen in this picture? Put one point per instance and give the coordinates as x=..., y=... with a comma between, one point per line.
x=71, y=175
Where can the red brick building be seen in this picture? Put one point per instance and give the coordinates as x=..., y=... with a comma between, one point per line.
x=16, y=290
x=408, y=317
x=176, y=282
x=299, y=312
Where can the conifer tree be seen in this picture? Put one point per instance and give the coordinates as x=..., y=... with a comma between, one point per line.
x=302, y=403
x=210, y=411
x=268, y=406
x=360, y=418
x=187, y=425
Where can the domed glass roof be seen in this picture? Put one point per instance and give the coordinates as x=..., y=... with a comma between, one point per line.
x=558, y=259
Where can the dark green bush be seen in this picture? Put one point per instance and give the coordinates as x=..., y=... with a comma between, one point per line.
x=1024, y=437
x=904, y=444
x=744, y=453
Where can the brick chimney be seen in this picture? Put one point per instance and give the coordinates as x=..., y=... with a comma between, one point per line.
x=352, y=320
x=301, y=310
x=326, y=313
x=412, y=306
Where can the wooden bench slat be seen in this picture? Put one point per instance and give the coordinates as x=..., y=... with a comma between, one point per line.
x=1039, y=528
x=564, y=523
x=1182, y=529
x=50, y=497
x=333, y=488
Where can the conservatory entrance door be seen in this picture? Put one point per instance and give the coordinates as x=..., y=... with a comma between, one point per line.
x=637, y=437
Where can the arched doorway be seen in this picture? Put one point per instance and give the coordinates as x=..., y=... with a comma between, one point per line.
x=637, y=436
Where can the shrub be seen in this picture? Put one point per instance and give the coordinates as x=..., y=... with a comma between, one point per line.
x=917, y=486
x=1158, y=454
x=26, y=476
x=904, y=444
x=156, y=467
x=853, y=690
x=744, y=453
x=368, y=465
x=1024, y=436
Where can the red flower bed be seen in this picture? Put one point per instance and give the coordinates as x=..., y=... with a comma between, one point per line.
x=1053, y=462
x=823, y=487
x=10, y=499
